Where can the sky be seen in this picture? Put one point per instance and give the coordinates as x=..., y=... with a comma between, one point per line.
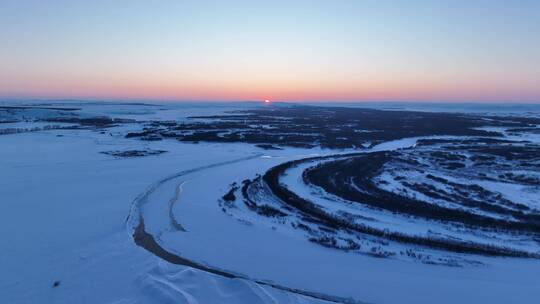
x=468, y=51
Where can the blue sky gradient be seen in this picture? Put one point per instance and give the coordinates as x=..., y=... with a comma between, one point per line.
x=283, y=50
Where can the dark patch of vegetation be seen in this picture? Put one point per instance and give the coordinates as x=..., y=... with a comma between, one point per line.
x=332, y=242
x=229, y=196
x=328, y=127
x=269, y=211
x=264, y=210
x=268, y=147
x=7, y=131
x=271, y=177
x=38, y=107
x=247, y=200
x=335, y=178
x=454, y=165
x=306, y=227
x=98, y=122
x=133, y=153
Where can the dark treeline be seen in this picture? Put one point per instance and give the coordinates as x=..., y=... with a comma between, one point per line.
x=271, y=177
x=335, y=177
x=328, y=127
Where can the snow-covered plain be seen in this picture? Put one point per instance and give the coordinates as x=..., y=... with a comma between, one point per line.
x=68, y=213
x=63, y=210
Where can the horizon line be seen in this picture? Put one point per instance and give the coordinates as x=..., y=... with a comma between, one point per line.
x=166, y=100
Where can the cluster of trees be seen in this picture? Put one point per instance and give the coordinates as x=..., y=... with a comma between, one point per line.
x=332, y=242
x=335, y=177
x=261, y=209
x=271, y=178
x=329, y=127
x=6, y=131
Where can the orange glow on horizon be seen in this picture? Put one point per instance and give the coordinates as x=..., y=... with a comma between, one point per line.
x=234, y=87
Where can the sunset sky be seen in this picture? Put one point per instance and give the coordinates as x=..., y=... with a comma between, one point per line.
x=475, y=50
